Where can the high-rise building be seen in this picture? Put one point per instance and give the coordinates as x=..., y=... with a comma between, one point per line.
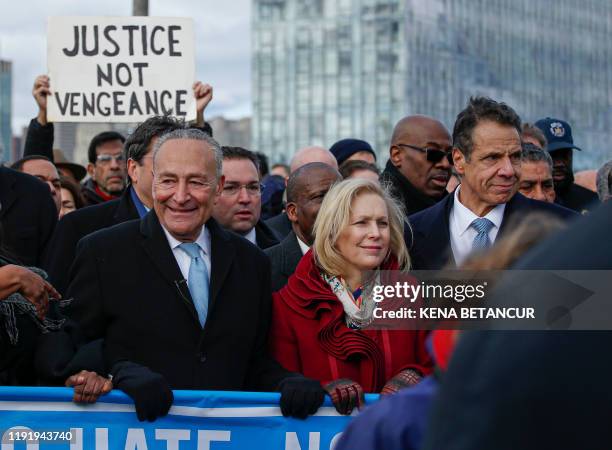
x=324, y=70
x=233, y=133
x=6, y=106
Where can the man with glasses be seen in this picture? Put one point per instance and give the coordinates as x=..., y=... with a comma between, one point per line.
x=106, y=168
x=238, y=208
x=419, y=165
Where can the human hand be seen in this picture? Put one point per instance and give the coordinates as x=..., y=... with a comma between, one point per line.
x=149, y=390
x=88, y=386
x=40, y=91
x=34, y=288
x=345, y=394
x=300, y=396
x=406, y=378
x=203, y=94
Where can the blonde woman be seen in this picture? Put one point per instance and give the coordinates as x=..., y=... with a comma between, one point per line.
x=320, y=318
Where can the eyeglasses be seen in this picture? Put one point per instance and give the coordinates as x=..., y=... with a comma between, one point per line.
x=253, y=189
x=106, y=159
x=433, y=155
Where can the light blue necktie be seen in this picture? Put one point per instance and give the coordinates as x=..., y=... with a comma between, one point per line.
x=198, y=280
x=482, y=226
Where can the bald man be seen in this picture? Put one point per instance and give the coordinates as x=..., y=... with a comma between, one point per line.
x=419, y=164
x=312, y=154
x=280, y=224
x=305, y=191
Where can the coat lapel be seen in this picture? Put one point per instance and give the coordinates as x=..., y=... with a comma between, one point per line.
x=221, y=258
x=292, y=253
x=155, y=245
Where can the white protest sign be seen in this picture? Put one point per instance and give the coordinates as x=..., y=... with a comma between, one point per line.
x=120, y=69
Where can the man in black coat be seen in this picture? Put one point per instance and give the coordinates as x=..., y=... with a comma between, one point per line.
x=192, y=310
x=28, y=215
x=133, y=203
x=419, y=165
x=487, y=156
x=305, y=191
x=560, y=145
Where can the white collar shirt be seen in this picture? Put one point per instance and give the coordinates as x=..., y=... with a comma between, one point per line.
x=462, y=234
x=251, y=236
x=183, y=259
x=303, y=246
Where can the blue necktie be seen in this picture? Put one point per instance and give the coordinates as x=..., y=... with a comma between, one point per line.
x=198, y=280
x=482, y=226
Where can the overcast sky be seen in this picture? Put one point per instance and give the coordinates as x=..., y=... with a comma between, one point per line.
x=223, y=44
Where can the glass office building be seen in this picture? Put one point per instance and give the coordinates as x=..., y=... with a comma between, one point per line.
x=328, y=69
x=6, y=104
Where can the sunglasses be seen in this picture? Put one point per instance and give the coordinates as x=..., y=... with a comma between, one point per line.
x=433, y=155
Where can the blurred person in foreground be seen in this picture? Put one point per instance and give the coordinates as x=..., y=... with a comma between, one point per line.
x=281, y=223
x=487, y=156
x=359, y=169
x=320, y=317
x=238, y=208
x=560, y=145
x=399, y=422
x=549, y=405
x=420, y=161
x=306, y=189
x=536, y=181
x=206, y=287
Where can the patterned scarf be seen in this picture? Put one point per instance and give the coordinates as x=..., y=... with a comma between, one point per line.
x=358, y=306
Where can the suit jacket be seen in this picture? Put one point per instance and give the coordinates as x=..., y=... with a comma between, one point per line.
x=78, y=224
x=430, y=247
x=265, y=236
x=128, y=289
x=577, y=198
x=28, y=215
x=280, y=224
x=284, y=258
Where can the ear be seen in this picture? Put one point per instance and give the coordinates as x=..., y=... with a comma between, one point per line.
x=291, y=209
x=395, y=155
x=91, y=169
x=459, y=161
x=131, y=169
x=220, y=186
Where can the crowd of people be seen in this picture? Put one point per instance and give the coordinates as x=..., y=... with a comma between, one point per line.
x=180, y=263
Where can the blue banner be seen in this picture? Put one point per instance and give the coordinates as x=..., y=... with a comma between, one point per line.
x=197, y=420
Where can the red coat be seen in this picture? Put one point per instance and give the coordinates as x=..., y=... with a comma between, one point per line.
x=308, y=335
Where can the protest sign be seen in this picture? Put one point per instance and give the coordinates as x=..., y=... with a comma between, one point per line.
x=197, y=420
x=120, y=69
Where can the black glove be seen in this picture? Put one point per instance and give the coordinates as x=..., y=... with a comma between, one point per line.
x=149, y=390
x=300, y=396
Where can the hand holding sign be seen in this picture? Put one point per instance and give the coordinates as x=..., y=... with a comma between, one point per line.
x=40, y=91
x=120, y=69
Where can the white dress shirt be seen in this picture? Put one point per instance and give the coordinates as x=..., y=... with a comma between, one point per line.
x=183, y=259
x=303, y=246
x=462, y=234
x=251, y=236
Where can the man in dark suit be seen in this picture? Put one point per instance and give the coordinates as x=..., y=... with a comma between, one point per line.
x=134, y=203
x=487, y=156
x=238, y=208
x=28, y=215
x=194, y=311
x=305, y=191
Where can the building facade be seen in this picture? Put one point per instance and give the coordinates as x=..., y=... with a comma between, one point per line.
x=324, y=70
x=6, y=107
